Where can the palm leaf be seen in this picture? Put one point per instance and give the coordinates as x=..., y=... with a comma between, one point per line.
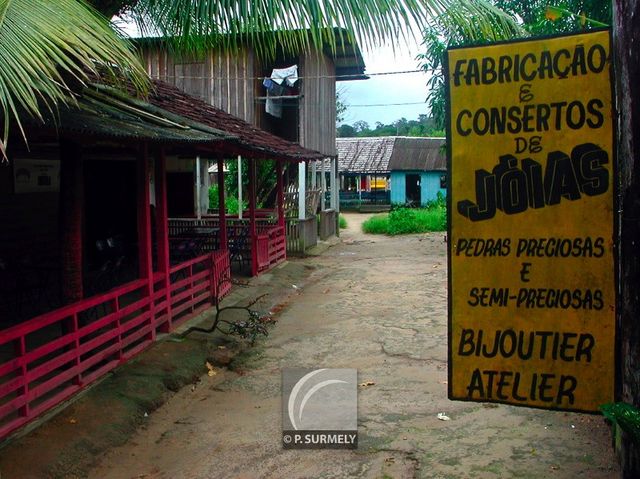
x=296, y=24
x=43, y=45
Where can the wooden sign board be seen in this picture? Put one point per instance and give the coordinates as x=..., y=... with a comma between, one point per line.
x=531, y=223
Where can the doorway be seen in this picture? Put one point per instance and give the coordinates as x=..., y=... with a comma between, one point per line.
x=412, y=190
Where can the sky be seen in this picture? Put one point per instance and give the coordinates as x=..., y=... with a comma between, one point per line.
x=386, y=90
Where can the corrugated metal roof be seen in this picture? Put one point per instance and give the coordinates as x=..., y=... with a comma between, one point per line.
x=101, y=115
x=424, y=154
x=387, y=153
x=364, y=155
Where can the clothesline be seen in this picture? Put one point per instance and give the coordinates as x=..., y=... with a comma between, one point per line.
x=313, y=77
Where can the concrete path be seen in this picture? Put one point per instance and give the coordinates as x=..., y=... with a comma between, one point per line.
x=377, y=304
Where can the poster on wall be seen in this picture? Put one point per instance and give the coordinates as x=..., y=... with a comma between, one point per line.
x=36, y=176
x=531, y=223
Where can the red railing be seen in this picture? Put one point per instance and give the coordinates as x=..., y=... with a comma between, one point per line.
x=222, y=277
x=271, y=247
x=46, y=359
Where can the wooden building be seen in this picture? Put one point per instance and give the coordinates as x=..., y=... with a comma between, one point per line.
x=90, y=268
x=234, y=82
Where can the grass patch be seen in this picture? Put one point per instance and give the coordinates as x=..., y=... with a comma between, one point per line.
x=342, y=221
x=376, y=225
x=402, y=220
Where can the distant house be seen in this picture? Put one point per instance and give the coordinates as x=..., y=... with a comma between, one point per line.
x=390, y=170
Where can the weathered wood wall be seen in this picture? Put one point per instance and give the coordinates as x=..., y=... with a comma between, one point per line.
x=230, y=81
x=224, y=80
x=318, y=105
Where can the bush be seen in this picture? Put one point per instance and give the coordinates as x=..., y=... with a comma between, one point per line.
x=231, y=204
x=342, y=221
x=213, y=197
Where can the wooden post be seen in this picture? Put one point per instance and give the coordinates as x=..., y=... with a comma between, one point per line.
x=162, y=232
x=239, y=187
x=626, y=49
x=145, y=259
x=314, y=174
x=71, y=216
x=336, y=194
x=324, y=186
x=252, y=217
x=334, y=183
x=280, y=192
x=198, y=192
x=302, y=190
x=222, y=215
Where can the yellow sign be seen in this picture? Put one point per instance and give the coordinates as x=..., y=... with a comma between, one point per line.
x=531, y=261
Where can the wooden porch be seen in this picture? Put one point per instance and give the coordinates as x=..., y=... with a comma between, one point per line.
x=57, y=353
x=174, y=269
x=262, y=250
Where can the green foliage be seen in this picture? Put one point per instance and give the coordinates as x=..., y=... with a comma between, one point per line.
x=265, y=180
x=543, y=17
x=625, y=415
x=213, y=197
x=401, y=220
x=342, y=221
x=376, y=225
x=422, y=127
x=537, y=17
x=44, y=46
x=412, y=220
x=231, y=204
x=443, y=31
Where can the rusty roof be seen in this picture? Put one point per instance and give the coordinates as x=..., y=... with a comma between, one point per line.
x=386, y=153
x=259, y=142
x=364, y=155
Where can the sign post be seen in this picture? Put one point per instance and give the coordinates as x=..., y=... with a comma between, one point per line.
x=531, y=223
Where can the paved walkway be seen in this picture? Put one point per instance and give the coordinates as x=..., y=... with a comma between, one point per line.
x=377, y=304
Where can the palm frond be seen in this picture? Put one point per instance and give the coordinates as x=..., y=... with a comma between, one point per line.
x=296, y=24
x=44, y=45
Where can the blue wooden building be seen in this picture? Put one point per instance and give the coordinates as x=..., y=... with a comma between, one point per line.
x=395, y=170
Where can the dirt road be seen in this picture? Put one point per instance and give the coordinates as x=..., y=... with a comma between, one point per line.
x=377, y=304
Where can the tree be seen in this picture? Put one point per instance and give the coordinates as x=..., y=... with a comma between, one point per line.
x=45, y=43
x=442, y=32
x=346, y=131
x=361, y=126
x=45, y=46
x=423, y=126
x=538, y=17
